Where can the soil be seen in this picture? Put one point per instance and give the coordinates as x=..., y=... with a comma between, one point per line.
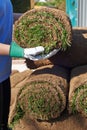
x=64, y=122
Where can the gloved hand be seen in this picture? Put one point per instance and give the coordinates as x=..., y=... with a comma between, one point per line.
x=44, y=56
x=17, y=51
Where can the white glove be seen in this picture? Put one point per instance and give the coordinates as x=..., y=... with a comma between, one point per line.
x=43, y=56
x=29, y=52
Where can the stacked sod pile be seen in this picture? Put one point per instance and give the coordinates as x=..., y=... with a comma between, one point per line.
x=44, y=94
x=78, y=91
x=48, y=27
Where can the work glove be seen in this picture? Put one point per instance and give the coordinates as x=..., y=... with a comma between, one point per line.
x=44, y=56
x=17, y=51
x=35, y=53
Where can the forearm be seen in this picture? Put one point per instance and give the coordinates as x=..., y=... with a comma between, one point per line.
x=14, y=50
x=4, y=49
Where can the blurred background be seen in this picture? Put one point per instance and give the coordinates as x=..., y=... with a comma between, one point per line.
x=75, y=9
x=21, y=6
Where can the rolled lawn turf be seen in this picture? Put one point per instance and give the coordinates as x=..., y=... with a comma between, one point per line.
x=44, y=94
x=78, y=91
x=47, y=27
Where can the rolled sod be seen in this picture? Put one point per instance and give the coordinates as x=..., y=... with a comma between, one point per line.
x=47, y=27
x=78, y=91
x=44, y=94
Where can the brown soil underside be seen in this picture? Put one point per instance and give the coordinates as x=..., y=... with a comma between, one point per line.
x=65, y=122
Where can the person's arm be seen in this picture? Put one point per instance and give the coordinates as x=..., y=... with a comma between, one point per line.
x=14, y=50
x=4, y=49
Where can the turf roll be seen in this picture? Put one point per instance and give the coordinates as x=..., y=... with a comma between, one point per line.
x=47, y=27
x=78, y=91
x=44, y=94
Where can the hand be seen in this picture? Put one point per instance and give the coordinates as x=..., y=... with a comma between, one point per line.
x=43, y=56
x=32, y=52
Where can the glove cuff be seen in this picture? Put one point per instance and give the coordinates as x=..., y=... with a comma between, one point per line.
x=16, y=50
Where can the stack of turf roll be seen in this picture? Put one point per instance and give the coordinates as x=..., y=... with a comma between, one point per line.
x=44, y=94
x=78, y=91
x=47, y=27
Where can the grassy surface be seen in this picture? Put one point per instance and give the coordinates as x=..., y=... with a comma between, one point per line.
x=39, y=99
x=50, y=32
x=82, y=99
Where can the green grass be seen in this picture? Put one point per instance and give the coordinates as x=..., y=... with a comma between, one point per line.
x=83, y=97
x=35, y=31
x=40, y=102
x=19, y=115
